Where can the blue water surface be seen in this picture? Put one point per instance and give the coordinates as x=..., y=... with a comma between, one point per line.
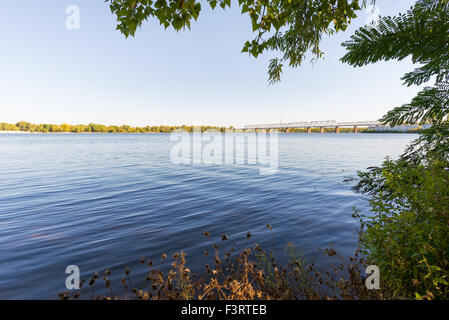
x=104, y=200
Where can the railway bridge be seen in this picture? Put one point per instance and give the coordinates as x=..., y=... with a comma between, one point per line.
x=309, y=125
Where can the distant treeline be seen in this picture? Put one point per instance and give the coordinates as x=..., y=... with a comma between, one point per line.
x=99, y=128
x=92, y=127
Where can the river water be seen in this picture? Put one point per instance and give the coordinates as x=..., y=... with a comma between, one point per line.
x=104, y=200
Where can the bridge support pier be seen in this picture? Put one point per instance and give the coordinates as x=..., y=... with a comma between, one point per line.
x=309, y=126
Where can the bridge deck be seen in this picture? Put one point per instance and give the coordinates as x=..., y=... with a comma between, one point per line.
x=314, y=124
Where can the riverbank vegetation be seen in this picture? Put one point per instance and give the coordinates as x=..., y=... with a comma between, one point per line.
x=98, y=128
x=407, y=233
x=24, y=126
x=249, y=274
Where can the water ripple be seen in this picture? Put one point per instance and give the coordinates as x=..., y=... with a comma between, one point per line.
x=102, y=201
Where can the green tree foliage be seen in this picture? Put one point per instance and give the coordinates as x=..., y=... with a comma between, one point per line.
x=98, y=128
x=422, y=34
x=406, y=236
x=8, y=127
x=291, y=28
x=23, y=126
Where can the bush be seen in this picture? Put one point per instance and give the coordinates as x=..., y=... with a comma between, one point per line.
x=407, y=237
x=248, y=274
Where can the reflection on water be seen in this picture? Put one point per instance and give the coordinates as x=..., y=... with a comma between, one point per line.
x=102, y=201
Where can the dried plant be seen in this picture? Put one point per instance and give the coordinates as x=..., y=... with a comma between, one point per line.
x=249, y=274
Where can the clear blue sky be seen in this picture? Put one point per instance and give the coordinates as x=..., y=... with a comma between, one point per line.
x=49, y=74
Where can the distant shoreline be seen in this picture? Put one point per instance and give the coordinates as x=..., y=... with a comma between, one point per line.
x=24, y=127
x=59, y=133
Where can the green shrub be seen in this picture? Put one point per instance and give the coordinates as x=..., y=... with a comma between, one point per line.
x=407, y=237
